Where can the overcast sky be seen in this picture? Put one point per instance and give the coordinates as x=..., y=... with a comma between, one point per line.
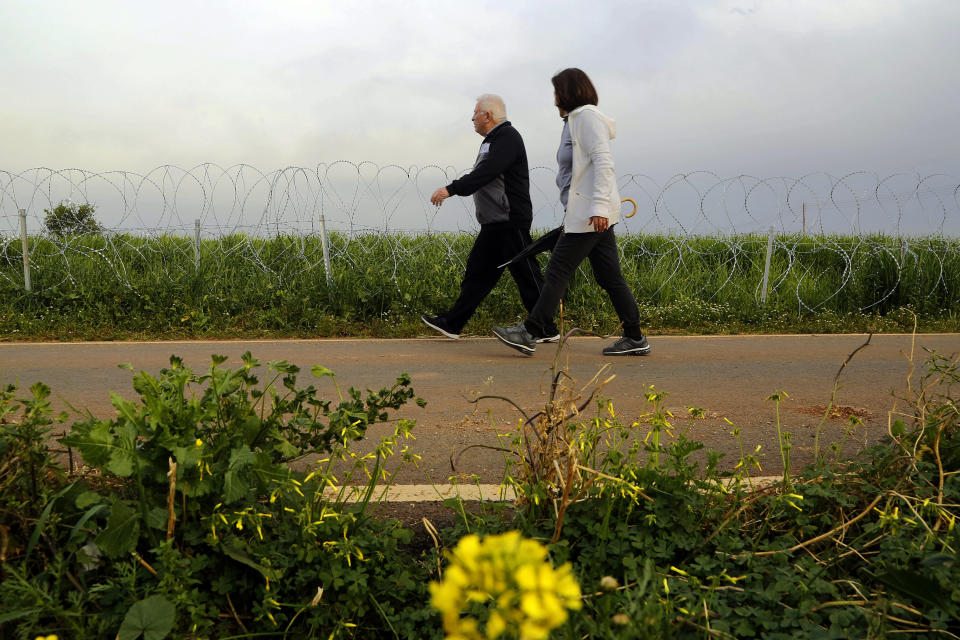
x=758, y=87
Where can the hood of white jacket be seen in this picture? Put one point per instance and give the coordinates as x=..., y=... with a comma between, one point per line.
x=610, y=122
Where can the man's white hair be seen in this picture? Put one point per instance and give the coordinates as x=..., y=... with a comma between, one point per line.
x=493, y=104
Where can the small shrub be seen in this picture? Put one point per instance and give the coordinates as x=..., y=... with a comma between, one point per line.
x=71, y=219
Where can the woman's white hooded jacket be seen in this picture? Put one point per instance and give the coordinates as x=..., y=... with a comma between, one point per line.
x=593, y=183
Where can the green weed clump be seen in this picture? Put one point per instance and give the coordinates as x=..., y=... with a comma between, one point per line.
x=188, y=517
x=123, y=286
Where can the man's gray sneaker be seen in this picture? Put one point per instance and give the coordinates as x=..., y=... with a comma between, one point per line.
x=517, y=337
x=438, y=323
x=627, y=347
x=555, y=337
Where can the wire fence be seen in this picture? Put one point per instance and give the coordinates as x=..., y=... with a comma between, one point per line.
x=230, y=212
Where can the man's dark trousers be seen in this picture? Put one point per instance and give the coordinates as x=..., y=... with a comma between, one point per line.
x=494, y=246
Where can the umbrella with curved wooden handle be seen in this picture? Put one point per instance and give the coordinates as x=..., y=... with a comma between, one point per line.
x=548, y=241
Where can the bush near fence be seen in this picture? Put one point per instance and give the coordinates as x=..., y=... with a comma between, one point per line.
x=123, y=283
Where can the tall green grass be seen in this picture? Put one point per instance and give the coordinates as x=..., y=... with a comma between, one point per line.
x=122, y=285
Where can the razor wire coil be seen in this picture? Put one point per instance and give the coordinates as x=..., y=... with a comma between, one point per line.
x=371, y=209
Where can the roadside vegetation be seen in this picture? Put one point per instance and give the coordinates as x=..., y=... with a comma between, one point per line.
x=90, y=286
x=185, y=516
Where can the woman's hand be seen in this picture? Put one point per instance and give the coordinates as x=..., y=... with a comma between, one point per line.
x=599, y=223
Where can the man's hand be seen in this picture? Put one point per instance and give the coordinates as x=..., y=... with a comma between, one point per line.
x=439, y=196
x=599, y=224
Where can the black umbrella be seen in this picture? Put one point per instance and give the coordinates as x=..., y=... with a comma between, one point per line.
x=546, y=242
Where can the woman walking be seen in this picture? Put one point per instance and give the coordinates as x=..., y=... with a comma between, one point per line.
x=588, y=190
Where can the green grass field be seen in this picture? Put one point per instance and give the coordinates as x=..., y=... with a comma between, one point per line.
x=123, y=286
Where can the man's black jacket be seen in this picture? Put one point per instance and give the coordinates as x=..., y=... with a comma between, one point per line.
x=500, y=180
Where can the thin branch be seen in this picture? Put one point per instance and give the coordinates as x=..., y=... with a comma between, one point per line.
x=453, y=463
x=828, y=534
x=505, y=399
x=171, y=499
x=145, y=564
x=234, y=612
x=836, y=378
x=833, y=397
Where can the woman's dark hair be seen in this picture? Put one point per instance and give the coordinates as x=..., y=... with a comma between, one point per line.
x=573, y=89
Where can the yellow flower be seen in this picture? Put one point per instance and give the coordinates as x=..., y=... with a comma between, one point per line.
x=199, y=443
x=509, y=579
x=496, y=625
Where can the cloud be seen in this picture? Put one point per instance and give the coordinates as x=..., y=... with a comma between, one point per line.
x=762, y=87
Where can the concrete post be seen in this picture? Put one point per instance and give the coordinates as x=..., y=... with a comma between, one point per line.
x=26, y=251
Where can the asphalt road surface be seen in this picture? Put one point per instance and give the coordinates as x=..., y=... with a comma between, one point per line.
x=730, y=377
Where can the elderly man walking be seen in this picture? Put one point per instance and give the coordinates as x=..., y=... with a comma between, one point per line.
x=500, y=186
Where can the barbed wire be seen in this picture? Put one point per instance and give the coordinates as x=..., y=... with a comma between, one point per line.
x=366, y=207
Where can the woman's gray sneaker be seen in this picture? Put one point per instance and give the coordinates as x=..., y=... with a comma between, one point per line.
x=517, y=338
x=627, y=347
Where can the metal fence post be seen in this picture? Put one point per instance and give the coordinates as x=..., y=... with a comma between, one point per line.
x=196, y=242
x=26, y=251
x=326, y=252
x=766, y=267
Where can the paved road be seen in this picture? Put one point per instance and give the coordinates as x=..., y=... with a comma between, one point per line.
x=729, y=376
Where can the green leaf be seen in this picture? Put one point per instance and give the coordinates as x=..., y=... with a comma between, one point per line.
x=234, y=486
x=86, y=499
x=898, y=428
x=251, y=428
x=157, y=518
x=282, y=366
x=242, y=457
x=23, y=613
x=320, y=372
x=241, y=556
x=186, y=457
x=917, y=586
x=235, y=483
x=38, y=529
x=39, y=390
x=126, y=408
x=152, y=617
x=123, y=454
x=93, y=440
x=249, y=360
x=77, y=528
x=939, y=560
x=285, y=449
x=122, y=532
